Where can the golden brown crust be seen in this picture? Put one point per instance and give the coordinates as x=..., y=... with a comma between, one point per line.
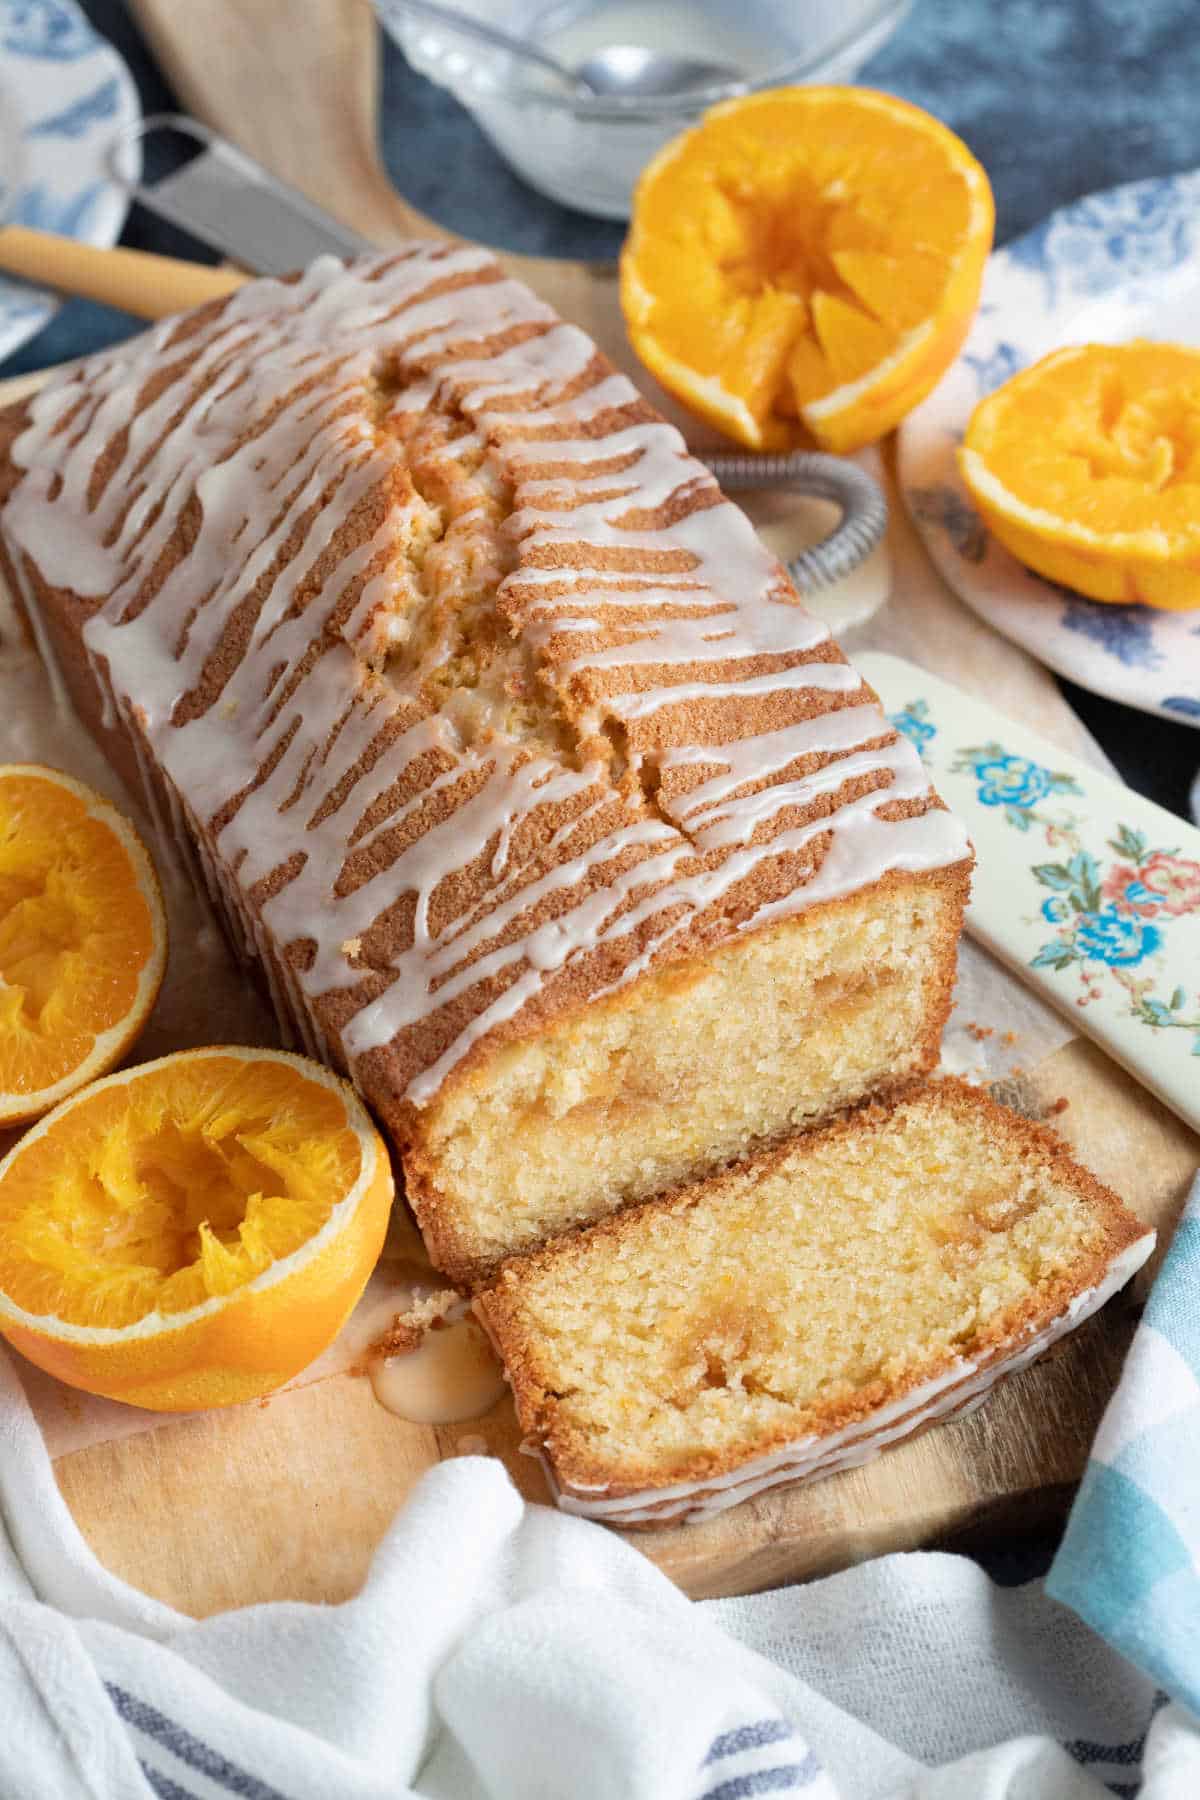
x=447, y=1234
x=603, y=634
x=578, y=1471
x=383, y=1075
x=569, y=681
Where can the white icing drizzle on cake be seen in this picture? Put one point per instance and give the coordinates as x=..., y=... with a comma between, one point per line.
x=959, y=1388
x=247, y=670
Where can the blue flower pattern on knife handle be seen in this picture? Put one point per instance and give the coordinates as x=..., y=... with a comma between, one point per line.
x=1112, y=914
x=1013, y=782
x=1110, y=917
x=914, y=724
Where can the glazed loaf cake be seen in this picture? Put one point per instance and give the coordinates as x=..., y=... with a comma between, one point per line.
x=798, y=1313
x=494, y=732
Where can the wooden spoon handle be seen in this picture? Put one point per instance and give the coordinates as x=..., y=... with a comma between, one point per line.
x=150, y=287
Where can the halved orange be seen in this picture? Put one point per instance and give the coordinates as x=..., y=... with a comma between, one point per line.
x=83, y=937
x=1086, y=466
x=803, y=265
x=194, y=1231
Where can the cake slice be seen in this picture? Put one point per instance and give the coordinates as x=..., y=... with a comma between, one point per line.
x=505, y=748
x=797, y=1313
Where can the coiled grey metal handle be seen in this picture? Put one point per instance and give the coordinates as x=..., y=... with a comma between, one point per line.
x=864, y=508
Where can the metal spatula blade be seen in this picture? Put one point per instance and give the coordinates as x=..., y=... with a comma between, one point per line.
x=230, y=202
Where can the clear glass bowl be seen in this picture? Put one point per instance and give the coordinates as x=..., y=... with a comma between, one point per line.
x=588, y=152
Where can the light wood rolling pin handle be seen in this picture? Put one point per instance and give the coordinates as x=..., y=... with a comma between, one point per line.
x=150, y=287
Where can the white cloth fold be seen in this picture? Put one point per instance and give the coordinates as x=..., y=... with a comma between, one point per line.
x=501, y=1651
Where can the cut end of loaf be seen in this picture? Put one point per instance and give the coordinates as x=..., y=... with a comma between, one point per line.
x=696, y=1065
x=791, y=1315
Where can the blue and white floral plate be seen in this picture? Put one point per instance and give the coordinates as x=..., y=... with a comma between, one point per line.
x=1120, y=264
x=1090, y=893
x=64, y=96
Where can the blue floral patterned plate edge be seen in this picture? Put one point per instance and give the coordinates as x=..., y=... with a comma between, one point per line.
x=1119, y=263
x=64, y=95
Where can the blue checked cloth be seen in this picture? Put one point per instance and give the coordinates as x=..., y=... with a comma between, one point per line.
x=502, y=1651
x=1130, y=1561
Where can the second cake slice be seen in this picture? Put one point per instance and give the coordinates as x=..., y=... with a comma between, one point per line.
x=800, y=1311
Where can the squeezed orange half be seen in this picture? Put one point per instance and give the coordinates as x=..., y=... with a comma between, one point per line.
x=194, y=1231
x=803, y=265
x=83, y=937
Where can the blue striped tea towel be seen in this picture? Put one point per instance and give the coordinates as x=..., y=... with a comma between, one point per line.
x=1130, y=1560
x=502, y=1651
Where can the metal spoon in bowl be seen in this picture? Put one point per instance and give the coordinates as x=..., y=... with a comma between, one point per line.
x=618, y=69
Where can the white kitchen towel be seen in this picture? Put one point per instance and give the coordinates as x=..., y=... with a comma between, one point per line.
x=502, y=1651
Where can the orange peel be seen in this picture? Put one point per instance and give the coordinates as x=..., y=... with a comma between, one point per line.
x=83, y=938
x=192, y=1232
x=803, y=265
x=1086, y=466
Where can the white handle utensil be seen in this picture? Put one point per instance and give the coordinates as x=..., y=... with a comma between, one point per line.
x=1083, y=888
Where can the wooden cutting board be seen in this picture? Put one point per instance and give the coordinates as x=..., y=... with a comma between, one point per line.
x=288, y=1498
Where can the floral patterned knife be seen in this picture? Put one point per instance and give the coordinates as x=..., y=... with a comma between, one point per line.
x=1083, y=888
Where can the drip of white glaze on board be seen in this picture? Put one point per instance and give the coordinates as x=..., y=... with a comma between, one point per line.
x=452, y=1375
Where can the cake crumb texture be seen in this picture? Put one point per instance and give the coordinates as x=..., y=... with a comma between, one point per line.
x=701, y=1064
x=794, y=1296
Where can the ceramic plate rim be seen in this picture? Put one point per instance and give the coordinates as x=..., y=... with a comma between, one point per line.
x=71, y=95
x=1118, y=246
